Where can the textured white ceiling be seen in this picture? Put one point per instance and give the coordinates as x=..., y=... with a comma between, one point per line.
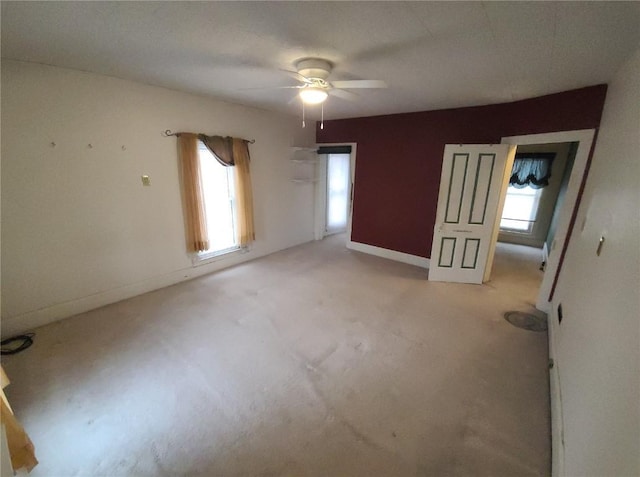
x=433, y=55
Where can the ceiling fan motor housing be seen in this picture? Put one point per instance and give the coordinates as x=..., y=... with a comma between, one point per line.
x=314, y=68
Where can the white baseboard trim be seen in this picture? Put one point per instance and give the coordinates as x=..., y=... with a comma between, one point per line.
x=557, y=426
x=545, y=253
x=17, y=324
x=390, y=254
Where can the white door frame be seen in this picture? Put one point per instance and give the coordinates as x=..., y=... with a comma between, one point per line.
x=320, y=222
x=584, y=138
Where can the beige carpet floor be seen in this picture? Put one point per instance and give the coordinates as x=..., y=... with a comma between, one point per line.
x=314, y=361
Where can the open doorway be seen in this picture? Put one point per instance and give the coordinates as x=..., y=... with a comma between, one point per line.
x=338, y=185
x=534, y=199
x=537, y=187
x=334, y=192
x=560, y=213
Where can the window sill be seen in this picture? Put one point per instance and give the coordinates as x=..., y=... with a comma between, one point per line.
x=516, y=232
x=210, y=257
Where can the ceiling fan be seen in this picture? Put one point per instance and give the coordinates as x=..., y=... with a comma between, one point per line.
x=313, y=73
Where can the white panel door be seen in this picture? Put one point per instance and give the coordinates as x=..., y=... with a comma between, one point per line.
x=470, y=187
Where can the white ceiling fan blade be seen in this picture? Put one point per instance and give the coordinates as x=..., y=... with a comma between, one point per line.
x=359, y=84
x=340, y=93
x=273, y=87
x=297, y=76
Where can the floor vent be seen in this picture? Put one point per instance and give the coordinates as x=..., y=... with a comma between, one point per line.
x=527, y=321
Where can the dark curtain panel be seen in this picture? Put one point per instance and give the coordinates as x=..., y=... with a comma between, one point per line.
x=220, y=147
x=531, y=169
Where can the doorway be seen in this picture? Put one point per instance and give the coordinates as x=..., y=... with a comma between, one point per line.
x=563, y=222
x=516, y=271
x=334, y=191
x=531, y=211
x=338, y=184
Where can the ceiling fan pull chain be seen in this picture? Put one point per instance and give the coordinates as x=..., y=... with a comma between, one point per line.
x=322, y=117
x=303, y=125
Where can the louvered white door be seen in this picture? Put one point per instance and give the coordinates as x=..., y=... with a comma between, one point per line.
x=470, y=187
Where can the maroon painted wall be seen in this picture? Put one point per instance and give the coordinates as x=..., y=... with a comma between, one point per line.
x=399, y=157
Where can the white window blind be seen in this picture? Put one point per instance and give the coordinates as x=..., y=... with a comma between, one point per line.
x=520, y=209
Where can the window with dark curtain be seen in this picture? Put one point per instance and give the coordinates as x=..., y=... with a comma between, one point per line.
x=531, y=170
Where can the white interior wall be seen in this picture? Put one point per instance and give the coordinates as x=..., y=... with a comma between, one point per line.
x=78, y=228
x=598, y=343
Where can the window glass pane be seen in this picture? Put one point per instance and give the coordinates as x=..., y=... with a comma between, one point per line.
x=337, y=191
x=218, y=186
x=520, y=209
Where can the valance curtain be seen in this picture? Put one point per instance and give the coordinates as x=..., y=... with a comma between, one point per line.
x=230, y=152
x=192, y=193
x=531, y=170
x=220, y=147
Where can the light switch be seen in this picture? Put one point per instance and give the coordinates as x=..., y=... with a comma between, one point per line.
x=146, y=181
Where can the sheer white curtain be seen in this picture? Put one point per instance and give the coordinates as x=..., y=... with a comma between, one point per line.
x=337, y=192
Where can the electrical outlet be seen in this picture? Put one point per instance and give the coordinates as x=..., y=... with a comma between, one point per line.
x=146, y=181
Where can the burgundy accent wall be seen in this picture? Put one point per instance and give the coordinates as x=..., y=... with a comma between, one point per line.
x=399, y=157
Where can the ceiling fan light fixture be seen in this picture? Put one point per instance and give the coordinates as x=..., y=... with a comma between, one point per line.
x=313, y=95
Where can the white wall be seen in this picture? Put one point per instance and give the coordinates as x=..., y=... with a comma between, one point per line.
x=78, y=228
x=598, y=343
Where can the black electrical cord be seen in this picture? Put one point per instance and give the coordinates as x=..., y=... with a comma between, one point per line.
x=25, y=341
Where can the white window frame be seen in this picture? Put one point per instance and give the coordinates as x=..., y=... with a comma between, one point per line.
x=532, y=221
x=208, y=256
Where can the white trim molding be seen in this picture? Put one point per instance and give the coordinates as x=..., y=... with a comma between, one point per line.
x=557, y=421
x=584, y=138
x=389, y=254
x=320, y=224
x=545, y=253
x=13, y=325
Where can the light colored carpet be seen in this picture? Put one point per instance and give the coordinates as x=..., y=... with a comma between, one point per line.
x=312, y=361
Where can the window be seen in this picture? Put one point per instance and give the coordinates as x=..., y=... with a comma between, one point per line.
x=337, y=192
x=225, y=191
x=219, y=204
x=520, y=209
